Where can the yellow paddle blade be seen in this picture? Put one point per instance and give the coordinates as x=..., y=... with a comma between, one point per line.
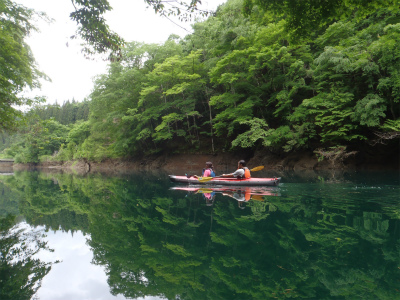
x=259, y=168
x=257, y=197
x=205, y=179
x=205, y=191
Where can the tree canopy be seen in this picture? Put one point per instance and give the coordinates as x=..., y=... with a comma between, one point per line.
x=242, y=83
x=306, y=16
x=93, y=28
x=18, y=68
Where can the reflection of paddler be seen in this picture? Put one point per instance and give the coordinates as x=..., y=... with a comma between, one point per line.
x=243, y=196
x=210, y=200
x=247, y=194
x=240, y=195
x=237, y=195
x=257, y=197
x=208, y=195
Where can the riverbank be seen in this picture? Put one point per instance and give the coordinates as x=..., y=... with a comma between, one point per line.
x=226, y=162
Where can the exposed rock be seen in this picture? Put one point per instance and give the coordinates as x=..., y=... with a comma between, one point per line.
x=223, y=162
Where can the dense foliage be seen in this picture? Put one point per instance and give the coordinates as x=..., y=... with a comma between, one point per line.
x=306, y=16
x=246, y=83
x=17, y=65
x=47, y=129
x=67, y=113
x=251, y=87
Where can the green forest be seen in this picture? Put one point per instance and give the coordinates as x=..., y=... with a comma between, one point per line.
x=255, y=75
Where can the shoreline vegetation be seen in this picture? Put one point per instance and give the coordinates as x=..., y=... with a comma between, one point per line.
x=241, y=86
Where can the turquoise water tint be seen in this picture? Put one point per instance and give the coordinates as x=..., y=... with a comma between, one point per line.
x=138, y=236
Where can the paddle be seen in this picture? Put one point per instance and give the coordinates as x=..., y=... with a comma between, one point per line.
x=206, y=179
x=257, y=197
x=204, y=191
x=259, y=168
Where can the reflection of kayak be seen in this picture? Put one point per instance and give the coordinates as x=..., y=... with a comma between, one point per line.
x=232, y=189
x=228, y=181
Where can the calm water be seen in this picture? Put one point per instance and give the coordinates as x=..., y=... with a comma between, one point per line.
x=315, y=236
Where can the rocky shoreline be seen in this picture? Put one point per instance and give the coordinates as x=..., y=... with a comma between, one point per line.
x=224, y=162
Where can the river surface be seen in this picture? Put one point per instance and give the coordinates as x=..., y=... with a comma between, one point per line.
x=139, y=236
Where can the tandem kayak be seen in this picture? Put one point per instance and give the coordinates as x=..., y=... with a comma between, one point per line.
x=252, y=190
x=228, y=181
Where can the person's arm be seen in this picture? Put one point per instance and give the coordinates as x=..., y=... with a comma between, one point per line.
x=238, y=172
x=226, y=175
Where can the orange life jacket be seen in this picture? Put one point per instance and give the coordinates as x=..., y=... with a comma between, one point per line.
x=246, y=172
x=247, y=194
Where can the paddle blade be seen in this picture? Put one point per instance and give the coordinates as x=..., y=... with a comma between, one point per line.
x=257, y=197
x=205, y=179
x=259, y=168
x=205, y=191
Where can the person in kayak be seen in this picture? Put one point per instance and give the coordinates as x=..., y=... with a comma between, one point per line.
x=208, y=171
x=242, y=171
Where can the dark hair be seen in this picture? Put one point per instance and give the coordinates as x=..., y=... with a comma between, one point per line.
x=242, y=162
x=209, y=164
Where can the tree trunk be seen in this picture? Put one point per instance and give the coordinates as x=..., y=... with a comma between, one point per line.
x=211, y=123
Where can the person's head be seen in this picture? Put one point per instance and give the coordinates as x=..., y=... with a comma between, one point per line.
x=241, y=163
x=209, y=165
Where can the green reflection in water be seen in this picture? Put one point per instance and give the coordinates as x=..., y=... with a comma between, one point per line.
x=21, y=273
x=313, y=237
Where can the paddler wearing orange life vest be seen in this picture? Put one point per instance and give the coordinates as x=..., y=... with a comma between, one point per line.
x=242, y=171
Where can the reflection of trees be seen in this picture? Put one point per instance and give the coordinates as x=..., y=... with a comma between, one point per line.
x=49, y=201
x=20, y=272
x=8, y=201
x=355, y=247
x=158, y=259
x=312, y=244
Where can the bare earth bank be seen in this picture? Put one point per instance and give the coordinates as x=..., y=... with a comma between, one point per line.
x=226, y=162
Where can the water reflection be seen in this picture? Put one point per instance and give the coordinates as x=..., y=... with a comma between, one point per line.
x=21, y=271
x=310, y=238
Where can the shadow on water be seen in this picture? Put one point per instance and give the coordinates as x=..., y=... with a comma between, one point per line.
x=315, y=236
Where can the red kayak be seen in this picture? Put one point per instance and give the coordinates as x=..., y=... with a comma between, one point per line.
x=258, y=190
x=228, y=181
